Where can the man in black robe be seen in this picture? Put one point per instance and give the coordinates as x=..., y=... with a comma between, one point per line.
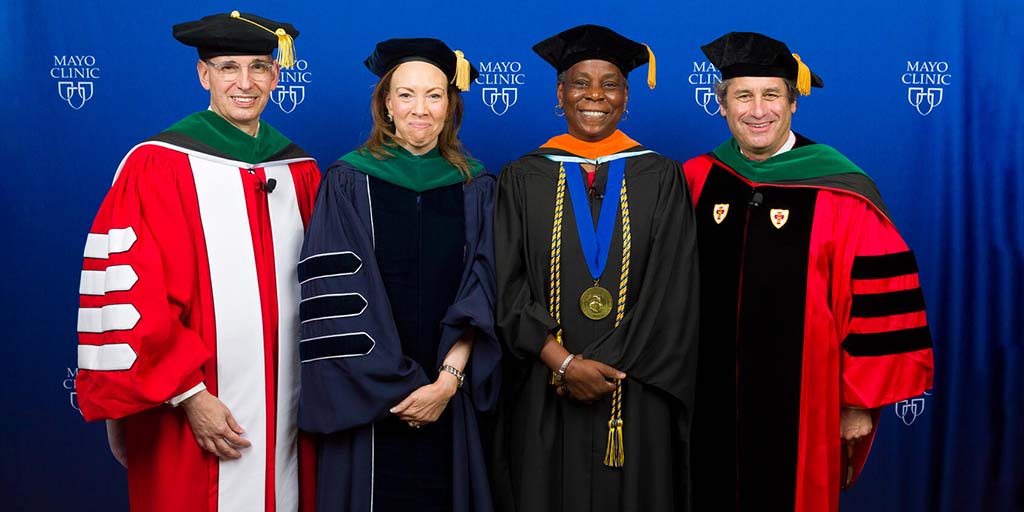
x=612, y=433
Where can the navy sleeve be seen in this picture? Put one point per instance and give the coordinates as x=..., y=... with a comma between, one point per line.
x=353, y=369
x=475, y=301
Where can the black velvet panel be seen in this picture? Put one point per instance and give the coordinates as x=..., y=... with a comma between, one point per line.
x=883, y=266
x=326, y=265
x=888, y=343
x=420, y=247
x=335, y=346
x=874, y=305
x=770, y=347
x=713, y=447
x=328, y=306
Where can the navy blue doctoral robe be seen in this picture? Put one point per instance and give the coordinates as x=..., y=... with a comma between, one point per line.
x=353, y=368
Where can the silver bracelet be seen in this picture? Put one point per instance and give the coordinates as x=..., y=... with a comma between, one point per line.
x=454, y=371
x=560, y=374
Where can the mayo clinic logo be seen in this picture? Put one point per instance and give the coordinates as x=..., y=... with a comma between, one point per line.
x=909, y=410
x=75, y=75
x=705, y=76
x=926, y=80
x=69, y=385
x=291, y=88
x=501, y=81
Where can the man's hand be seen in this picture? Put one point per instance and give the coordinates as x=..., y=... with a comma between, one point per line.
x=213, y=426
x=588, y=380
x=854, y=424
x=426, y=403
x=116, y=439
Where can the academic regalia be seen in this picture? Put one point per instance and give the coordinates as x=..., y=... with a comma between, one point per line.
x=549, y=450
x=189, y=280
x=397, y=263
x=830, y=315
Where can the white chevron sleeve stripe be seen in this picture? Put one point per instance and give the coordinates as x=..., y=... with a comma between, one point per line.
x=116, y=356
x=118, y=278
x=115, y=317
x=118, y=240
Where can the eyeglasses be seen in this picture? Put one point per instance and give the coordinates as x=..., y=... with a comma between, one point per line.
x=231, y=70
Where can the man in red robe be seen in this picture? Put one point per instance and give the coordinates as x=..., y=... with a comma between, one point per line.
x=812, y=316
x=188, y=323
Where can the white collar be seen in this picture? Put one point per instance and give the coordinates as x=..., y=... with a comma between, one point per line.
x=790, y=142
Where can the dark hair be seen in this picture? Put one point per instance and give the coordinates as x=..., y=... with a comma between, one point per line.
x=383, y=133
x=722, y=88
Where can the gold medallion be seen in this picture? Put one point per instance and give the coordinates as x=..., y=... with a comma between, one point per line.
x=596, y=303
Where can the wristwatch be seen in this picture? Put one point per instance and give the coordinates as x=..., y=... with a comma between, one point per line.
x=454, y=371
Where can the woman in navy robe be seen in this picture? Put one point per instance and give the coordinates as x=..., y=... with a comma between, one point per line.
x=398, y=347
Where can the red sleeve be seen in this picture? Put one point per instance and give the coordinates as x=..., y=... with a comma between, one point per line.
x=139, y=281
x=886, y=343
x=696, y=171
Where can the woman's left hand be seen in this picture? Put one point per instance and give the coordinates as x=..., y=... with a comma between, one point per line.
x=427, y=403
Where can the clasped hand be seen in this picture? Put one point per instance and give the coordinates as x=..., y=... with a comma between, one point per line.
x=588, y=380
x=426, y=403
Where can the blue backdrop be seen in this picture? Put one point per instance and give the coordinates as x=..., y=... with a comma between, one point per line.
x=921, y=94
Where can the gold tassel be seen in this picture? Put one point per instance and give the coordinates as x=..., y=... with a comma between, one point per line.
x=462, y=72
x=285, y=43
x=285, y=49
x=652, y=68
x=803, y=77
x=614, y=453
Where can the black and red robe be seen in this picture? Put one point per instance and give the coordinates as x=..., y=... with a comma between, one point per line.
x=810, y=304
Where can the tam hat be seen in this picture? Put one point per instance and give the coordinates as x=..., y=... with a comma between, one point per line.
x=389, y=54
x=752, y=54
x=239, y=34
x=586, y=42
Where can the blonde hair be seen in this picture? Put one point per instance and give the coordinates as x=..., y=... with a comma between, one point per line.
x=383, y=133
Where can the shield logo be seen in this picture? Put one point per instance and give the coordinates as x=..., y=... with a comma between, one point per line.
x=779, y=217
x=499, y=100
x=719, y=212
x=909, y=410
x=74, y=401
x=924, y=100
x=703, y=97
x=287, y=97
x=76, y=94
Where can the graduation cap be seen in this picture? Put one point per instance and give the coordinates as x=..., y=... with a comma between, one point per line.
x=752, y=54
x=239, y=34
x=393, y=52
x=585, y=42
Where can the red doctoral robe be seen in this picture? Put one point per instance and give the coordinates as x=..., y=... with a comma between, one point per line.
x=810, y=303
x=190, y=277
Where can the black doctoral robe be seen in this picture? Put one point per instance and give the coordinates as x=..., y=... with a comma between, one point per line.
x=549, y=449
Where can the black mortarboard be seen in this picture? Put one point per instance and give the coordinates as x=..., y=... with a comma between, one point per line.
x=752, y=54
x=393, y=52
x=585, y=42
x=239, y=34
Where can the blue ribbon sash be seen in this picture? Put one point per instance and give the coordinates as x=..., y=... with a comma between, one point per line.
x=595, y=244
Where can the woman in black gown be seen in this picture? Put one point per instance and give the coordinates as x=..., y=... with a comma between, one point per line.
x=597, y=287
x=398, y=348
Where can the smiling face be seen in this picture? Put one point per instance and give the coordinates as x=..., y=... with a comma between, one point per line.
x=239, y=101
x=759, y=112
x=418, y=103
x=593, y=94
